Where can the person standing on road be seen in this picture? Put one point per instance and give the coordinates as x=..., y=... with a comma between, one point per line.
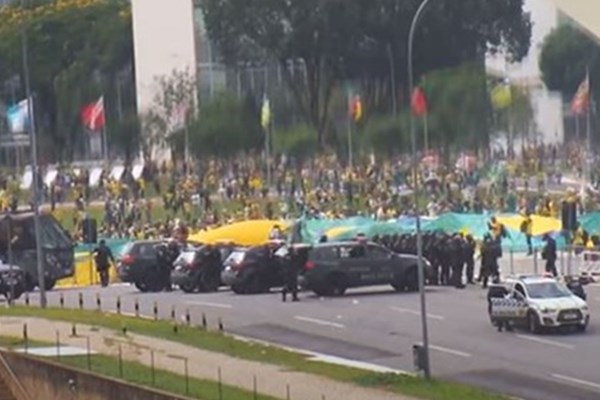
x=549, y=254
x=469, y=255
x=103, y=257
x=489, y=260
x=292, y=267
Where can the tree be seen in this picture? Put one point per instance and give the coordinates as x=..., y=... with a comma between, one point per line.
x=362, y=41
x=174, y=106
x=76, y=48
x=320, y=34
x=566, y=54
x=458, y=107
x=298, y=141
x=226, y=126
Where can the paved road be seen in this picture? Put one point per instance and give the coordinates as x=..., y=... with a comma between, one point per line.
x=379, y=326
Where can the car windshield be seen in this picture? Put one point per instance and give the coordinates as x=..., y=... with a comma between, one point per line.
x=236, y=257
x=547, y=290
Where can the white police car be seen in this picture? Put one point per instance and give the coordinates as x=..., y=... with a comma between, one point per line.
x=536, y=302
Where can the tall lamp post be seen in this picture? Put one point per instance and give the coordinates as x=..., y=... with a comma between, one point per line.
x=34, y=167
x=425, y=361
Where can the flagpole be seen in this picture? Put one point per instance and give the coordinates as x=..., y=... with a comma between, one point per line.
x=350, y=151
x=34, y=161
x=105, y=143
x=588, y=126
x=426, y=127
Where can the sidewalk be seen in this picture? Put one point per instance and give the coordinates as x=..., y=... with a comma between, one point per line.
x=271, y=379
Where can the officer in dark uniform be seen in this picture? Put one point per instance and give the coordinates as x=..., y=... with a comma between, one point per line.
x=457, y=261
x=103, y=257
x=469, y=256
x=446, y=261
x=549, y=254
x=293, y=264
x=166, y=255
x=489, y=260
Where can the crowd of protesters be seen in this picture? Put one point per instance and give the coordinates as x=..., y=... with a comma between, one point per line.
x=217, y=192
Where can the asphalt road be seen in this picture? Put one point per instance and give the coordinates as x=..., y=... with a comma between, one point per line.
x=378, y=326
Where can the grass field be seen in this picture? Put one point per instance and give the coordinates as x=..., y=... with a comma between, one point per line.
x=139, y=374
x=217, y=342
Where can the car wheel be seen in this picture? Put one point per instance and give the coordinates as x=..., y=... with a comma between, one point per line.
x=398, y=283
x=29, y=283
x=238, y=289
x=411, y=280
x=188, y=287
x=533, y=322
x=582, y=328
x=142, y=286
x=210, y=282
x=254, y=284
x=336, y=284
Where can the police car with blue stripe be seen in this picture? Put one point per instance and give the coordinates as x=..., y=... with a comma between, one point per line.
x=536, y=302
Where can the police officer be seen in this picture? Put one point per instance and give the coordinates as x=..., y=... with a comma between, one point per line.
x=549, y=254
x=458, y=263
x=489, y=260
x=103, y=257
x=291, y=268
x=469, y=255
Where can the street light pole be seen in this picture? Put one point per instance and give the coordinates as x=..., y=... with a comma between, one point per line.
x=421, y=274
x=34, y=167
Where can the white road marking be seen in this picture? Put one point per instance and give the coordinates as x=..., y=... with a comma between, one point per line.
x=546, y=341
x=208, y=304
x=576, y=381
x=319, y=322
x=450, y=351
x=417, y=313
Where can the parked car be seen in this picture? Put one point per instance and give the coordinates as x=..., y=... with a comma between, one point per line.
x=199, y=268
x=333, y=267
x=253, y=270
x=138, y=264
x=12, y=281
x=537, y=303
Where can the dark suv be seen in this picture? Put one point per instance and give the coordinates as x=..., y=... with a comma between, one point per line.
x=253, y=270
x=138, y=264
x=199, y=268
x=334, y=267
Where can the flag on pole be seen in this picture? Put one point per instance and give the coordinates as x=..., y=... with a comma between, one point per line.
x=265, y=113
x=92, y=115
x=355, y=109
x=501, y=96
x=418, y=103
x=580, y=101
x=18, y=117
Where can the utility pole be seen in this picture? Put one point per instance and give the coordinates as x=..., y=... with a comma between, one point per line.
x=34, y=162
x=421, y=275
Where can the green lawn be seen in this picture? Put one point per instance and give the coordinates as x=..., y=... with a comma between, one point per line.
x=214, y=341
x=140, y=374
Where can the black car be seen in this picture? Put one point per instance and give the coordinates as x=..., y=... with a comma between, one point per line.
x=332, y=268
x=253, y=270
x=199, y=268
x=12, y=281
x=138, y=264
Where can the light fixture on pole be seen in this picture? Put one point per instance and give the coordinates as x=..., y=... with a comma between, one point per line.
x=425, y=362
x=34, y=166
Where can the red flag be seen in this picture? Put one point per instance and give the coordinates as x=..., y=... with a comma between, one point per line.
x=418, y=103
x=92, y=115
x=355, y=110
x=580, y=101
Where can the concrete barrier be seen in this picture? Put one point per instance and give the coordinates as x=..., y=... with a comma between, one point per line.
x=43, y=379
